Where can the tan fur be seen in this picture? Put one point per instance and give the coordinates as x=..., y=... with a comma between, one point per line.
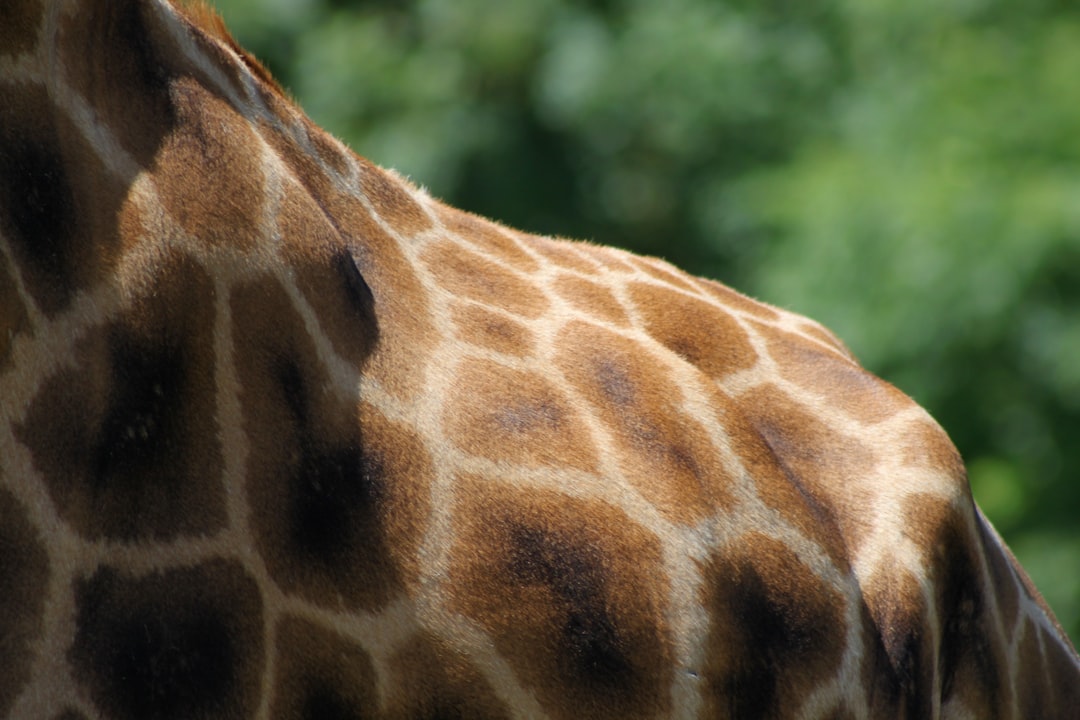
x=281, y=436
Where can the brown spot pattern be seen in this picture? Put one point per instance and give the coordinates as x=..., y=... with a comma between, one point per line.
x=328, y=275
x=972, y=660
x=504, y=414
x=168, y=645
x=208, y=173
x=564, y=254
x=126, y=439
x=337, y=492
x=58, y=203
x=20, y=21
x=486, y=236
x=113, y=54
x=406, y=334
x=662, y=451
x=494, y=331
x=463, y=273
x=899, y=663
x=394, y=205
x=666, y=273
x=696, y=331
x=591, y=298
x=321, y=676
x=24, y=577
x=838, y=381
x=825, y=466
x=436, y=681
x=737, y=300
x=773, y=630
x=573, y=595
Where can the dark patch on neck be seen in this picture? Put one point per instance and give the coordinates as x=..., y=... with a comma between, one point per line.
x=114, y=57
x=37, y=203
x=142, y=422
x=593, y=653
x=172, y=645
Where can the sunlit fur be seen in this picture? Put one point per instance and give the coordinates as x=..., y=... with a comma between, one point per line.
x=281, y=436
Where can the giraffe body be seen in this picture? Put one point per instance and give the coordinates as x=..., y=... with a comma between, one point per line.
x=283, y=437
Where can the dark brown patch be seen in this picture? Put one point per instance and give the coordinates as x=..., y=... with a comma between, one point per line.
x=696, y=331
x=24, y=577
x=1047, y=676
x=971, y=657
x=839, y=382
x=328, y=275
x=898, y=666
x=208, y=174
x=1036, y=694
x=58, y=203
x=591, y=298
x=776, y=630
x=663, y=451
x=486, y=236
x=14, y=320
x=775, y=486
x=464, y=273
x=503, y=414
x=112, y=56
x=126, y=440
x=492, y=330
x=20, y=21
x=827, y=468
x=168, y=645
x=337, y=492
x=573, y=595
x=406, y=334
x=321, y=676
x=437, y=681
x=70, y=714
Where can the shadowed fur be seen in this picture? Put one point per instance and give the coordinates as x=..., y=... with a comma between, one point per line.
x=281, y=436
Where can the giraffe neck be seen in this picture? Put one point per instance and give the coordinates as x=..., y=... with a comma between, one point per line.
x=282, y=436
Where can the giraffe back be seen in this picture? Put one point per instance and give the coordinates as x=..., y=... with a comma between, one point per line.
x=282, y=436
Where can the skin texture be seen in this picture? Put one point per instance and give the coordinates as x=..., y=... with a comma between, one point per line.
x=282, y=436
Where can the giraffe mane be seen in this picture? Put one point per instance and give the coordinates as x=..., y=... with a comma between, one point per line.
x=206, y=18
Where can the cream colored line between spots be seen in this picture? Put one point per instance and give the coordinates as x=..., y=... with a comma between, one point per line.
x=52, y=349
x=109, y=150
x=381, y=635
x=45, y=696
x=687, y=618
x=33, y=313
x=22, y=69
x=459, y=632
x=235, y=447
x=179, y=31
x=827, y=699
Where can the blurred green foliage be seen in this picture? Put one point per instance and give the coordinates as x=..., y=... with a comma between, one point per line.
x=906, y=171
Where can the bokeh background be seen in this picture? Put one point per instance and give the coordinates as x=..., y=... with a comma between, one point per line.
x=906, y=171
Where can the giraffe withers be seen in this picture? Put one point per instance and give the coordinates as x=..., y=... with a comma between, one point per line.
x=281, y=436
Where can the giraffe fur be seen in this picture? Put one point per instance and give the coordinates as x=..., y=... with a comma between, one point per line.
x=282, y=436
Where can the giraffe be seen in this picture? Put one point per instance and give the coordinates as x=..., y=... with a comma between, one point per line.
x=282, y=436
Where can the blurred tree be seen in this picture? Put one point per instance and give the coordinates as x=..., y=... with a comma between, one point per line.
x=906, y=171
